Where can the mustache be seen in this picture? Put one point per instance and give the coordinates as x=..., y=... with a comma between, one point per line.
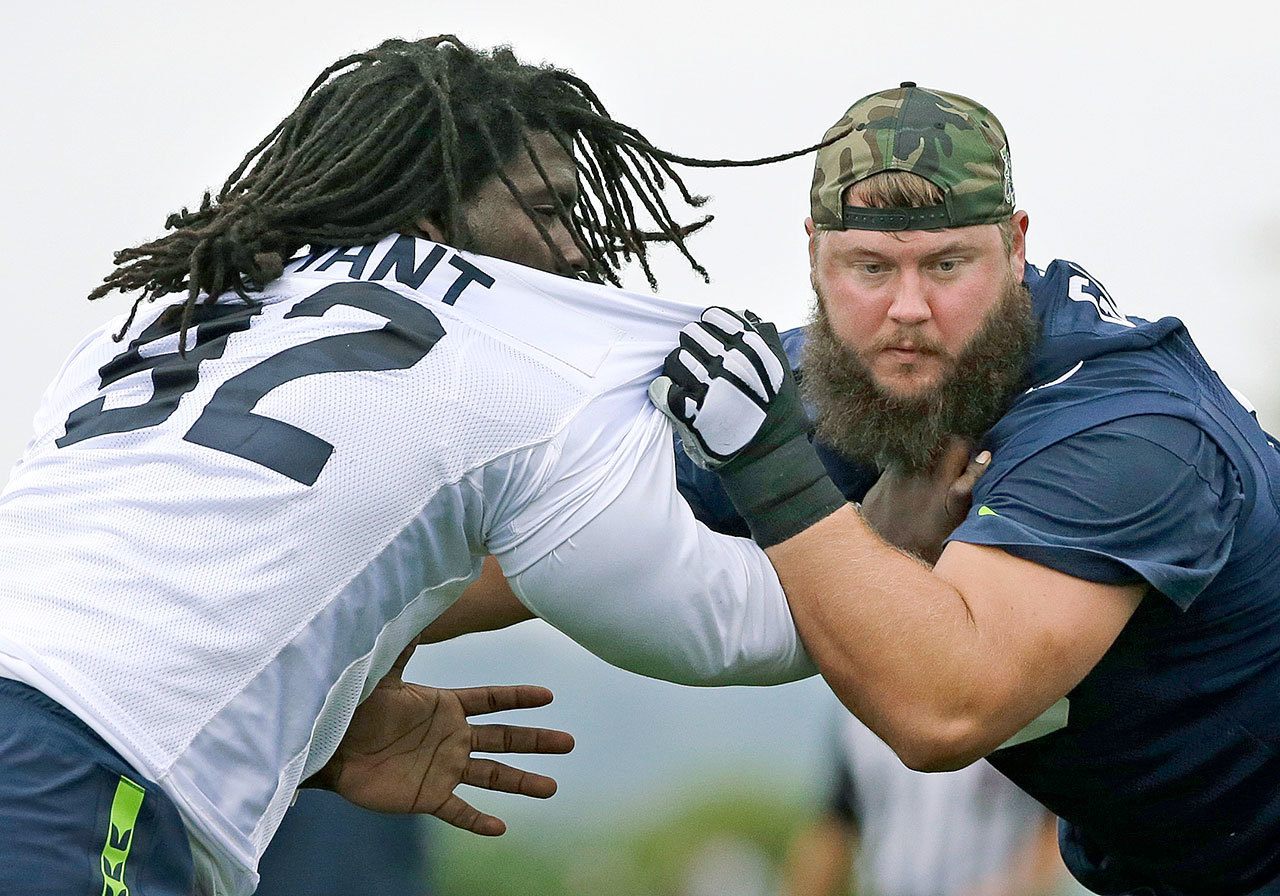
x=857, y=418
x=910, y=339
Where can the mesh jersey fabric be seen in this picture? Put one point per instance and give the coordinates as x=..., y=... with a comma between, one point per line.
x=218, y=621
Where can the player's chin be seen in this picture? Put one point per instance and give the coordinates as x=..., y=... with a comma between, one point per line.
x=906, y=381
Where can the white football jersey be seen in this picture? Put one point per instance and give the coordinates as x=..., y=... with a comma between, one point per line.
x=212, y=558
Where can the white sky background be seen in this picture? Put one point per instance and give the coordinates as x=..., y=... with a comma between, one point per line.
x=1144, y=145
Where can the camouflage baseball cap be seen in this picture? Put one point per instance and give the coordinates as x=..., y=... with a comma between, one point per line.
x=950, y=140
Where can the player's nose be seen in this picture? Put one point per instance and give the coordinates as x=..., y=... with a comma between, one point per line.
x=573, y=259
x=910, y=303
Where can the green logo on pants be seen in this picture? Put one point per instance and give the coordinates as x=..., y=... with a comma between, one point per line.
x=124, y=815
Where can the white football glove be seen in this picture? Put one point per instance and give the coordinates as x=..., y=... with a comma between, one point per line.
x=730, y=392
x=717, y=387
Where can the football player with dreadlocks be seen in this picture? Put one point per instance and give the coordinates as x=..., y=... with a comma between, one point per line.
x=241, y=506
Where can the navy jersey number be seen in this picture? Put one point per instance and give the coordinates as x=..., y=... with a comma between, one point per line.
x=172, y=375
x=227, y=422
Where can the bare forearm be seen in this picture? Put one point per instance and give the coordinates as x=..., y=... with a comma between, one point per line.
x=945, y=665
x=899, y=645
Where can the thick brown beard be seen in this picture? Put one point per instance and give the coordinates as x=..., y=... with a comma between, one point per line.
x=865, y=423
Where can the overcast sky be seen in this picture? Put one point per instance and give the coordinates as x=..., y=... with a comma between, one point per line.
x=1144, y=144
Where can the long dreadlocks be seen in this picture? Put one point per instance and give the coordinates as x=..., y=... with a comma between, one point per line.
x=406, y=130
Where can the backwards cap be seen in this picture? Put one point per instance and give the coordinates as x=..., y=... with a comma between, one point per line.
x=947, y=139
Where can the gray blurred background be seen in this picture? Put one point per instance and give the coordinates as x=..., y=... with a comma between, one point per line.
x=1144, y=147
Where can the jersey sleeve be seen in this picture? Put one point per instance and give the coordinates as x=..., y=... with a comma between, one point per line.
x=641, y=584
x=1148, y=498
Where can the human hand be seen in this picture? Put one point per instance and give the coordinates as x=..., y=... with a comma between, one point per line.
x=917, y=512
x=409, y=746
x=723, y=383
x=730, y=392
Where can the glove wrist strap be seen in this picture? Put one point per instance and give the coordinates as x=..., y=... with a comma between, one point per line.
x=782, y=493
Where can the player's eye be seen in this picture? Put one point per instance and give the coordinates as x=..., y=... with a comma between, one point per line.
x=948, y=265
x=550, y=208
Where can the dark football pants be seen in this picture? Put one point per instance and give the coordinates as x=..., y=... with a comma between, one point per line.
x=75, y=818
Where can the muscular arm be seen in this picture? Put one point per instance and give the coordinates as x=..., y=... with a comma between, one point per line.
x=487, y=604
x=646, y=587
x=915, y=517
x=947, y=664
x=944, y=664
x=995, y=635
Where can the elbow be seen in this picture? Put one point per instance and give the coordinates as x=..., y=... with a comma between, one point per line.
x=937, y=757
x=941, y=742
x=940, y=745
x=934, y=729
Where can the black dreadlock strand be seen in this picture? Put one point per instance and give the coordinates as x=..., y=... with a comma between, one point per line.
x=406, y=130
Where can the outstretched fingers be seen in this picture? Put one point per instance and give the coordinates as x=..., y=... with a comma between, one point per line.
x=518, y=739
x=499, y=698
x=461, y=814
x=493, y=775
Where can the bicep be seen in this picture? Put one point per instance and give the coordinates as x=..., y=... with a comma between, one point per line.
x=1044, y=629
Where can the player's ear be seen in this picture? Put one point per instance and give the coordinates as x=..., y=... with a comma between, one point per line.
x=427, y=229
x=1018, y=251
x=812, y=231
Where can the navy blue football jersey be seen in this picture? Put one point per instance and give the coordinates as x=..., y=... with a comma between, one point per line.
x=1127, y=460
